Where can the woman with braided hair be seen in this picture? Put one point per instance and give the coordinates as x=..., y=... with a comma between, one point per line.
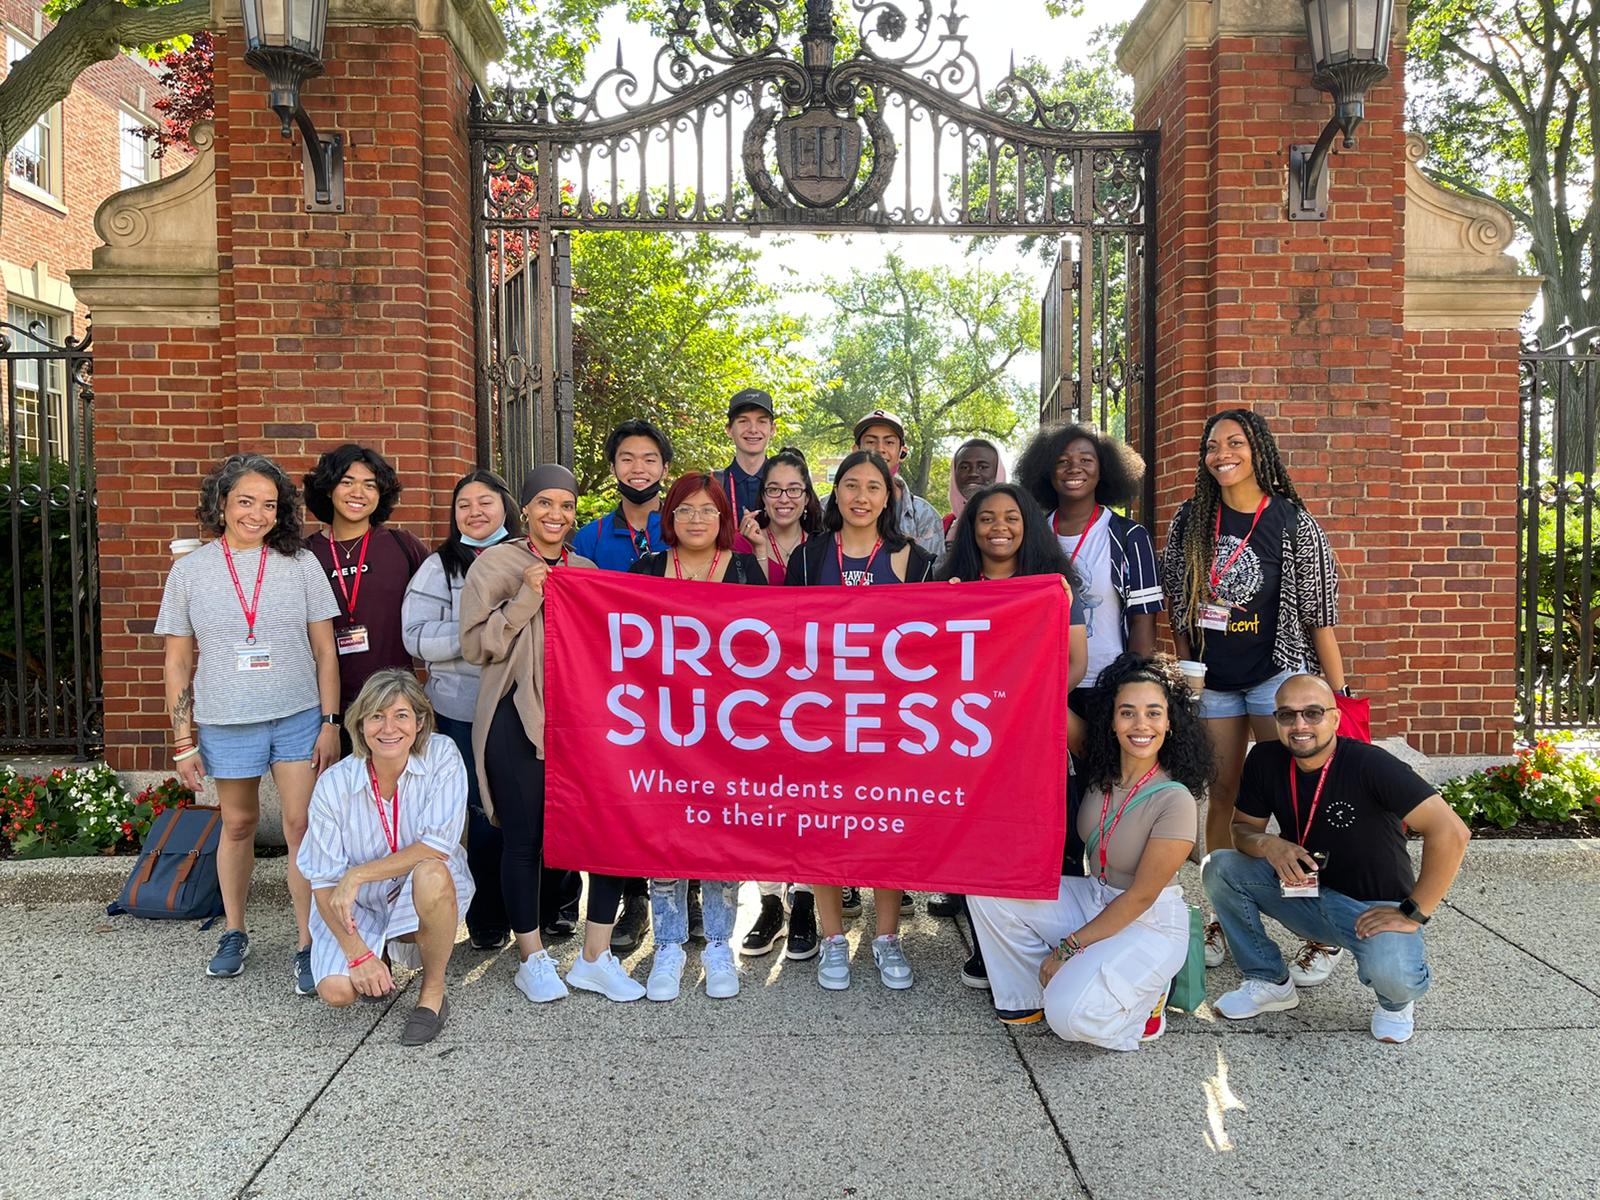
x=1253, y=592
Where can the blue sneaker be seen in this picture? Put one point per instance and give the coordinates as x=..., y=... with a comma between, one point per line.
x=231, y=953
x=304, y=983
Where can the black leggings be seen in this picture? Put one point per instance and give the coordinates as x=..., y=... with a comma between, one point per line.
x=516, y=779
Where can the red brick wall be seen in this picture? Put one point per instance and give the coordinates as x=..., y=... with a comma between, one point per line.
x=1301, y=322
x=333, y=327
x=32, y=231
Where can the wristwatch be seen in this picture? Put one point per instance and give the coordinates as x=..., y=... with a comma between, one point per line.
x=1410, y=911
x=330, y=718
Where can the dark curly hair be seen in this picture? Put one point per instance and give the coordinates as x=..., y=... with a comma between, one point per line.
x=330, y=469
x=811, y=515
x=287, y=536
x=1121, y=467
x=1039, y=554
x=888, y=520
x=1185, y=754
x=457, y=557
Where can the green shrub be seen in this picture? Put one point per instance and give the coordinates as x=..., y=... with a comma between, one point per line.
x=74, y=811
x=1540, y=784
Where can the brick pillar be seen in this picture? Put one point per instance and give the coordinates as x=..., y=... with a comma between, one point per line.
x=227, y=318
x=1303, y=323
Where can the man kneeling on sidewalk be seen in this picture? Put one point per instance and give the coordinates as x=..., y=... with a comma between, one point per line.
x=1340, y=873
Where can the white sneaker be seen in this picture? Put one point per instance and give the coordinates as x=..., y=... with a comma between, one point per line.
x=893, y=969
x=666, y=973
x=1253, y=997
x=722, y=977
x=1394, y=1027
x=604, y=975
x=1216, y=945
x=1315, y=962
x=537, y=979
x=833, y=964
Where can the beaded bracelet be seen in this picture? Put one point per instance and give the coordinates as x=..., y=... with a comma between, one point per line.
x=1068, y=946
x=367, y=957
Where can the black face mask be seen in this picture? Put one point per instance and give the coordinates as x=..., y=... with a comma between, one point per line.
x=639, y=495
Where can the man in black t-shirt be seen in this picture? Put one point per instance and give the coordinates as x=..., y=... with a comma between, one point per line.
x=1339, y=873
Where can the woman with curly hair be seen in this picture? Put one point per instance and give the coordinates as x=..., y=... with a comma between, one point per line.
x=252, y=679
x=1253, y=590
x=1078, y=475
x=1096, y=961
x=352, y=491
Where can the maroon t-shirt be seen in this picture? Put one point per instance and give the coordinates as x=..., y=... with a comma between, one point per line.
x=393, y=556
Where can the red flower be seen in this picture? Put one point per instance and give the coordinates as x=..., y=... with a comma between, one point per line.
x=127, y=829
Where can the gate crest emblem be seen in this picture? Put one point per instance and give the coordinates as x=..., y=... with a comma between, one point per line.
x=819, y=154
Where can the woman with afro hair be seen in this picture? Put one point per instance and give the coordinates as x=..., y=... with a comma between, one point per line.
x=1096, y=961
x=352, y=491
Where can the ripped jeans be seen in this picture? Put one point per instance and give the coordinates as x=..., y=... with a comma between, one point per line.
x=669, y=909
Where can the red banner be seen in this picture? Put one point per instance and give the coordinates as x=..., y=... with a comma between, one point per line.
x=910, y=737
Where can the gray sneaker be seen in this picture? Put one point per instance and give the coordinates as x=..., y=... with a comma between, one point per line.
x=833, y=964
x=893, y=968
x=305, y=983
x=231, y=953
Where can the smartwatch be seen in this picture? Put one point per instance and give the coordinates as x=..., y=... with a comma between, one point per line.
x=1410, y=911
x=330, y=718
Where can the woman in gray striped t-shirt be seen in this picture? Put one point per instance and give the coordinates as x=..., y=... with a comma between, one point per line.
x=252, y=678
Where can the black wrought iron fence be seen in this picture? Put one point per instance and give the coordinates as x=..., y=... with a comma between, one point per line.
x=50, y=696
x=1558, y=677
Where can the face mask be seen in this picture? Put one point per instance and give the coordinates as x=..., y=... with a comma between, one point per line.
x=639, y=495
x=480, y=543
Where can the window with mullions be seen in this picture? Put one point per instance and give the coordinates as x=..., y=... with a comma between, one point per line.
x=38, y=386
x=138, y=162
x=35, y=161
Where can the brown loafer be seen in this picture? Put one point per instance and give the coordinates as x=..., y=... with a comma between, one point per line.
x=423, y=1025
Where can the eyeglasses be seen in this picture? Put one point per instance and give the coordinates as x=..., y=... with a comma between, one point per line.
x=1313, y=713
x=686, y=513
x=793, y=491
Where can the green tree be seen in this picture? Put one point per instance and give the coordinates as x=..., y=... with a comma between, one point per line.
x=667, y=327
x=933, y=346
x=1505, y=92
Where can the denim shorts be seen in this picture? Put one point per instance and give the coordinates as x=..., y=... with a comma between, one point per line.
x=246, y=751
x=1259, y=701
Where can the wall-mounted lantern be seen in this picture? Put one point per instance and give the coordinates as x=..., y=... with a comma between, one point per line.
x=283, y=40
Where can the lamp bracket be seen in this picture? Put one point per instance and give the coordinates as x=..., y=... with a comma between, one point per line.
x=1308, y=173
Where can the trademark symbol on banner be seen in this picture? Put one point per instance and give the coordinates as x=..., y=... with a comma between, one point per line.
x=998, y=695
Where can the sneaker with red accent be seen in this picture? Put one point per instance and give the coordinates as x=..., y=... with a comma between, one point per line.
x=1157, y=1024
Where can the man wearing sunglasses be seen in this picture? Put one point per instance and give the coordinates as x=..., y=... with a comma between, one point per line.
x=1337, y=871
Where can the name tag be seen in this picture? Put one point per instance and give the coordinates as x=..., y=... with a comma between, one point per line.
x=257, y=657
x=1304, y=891
x=1214, y=616
x=352, y=640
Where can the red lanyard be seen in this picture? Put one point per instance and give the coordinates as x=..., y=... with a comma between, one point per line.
x=533, y=550
x=733, y=496
x=1055, y=523
x=353, y=590
x=1105, y=807
x=391, y=828
x=866, y=571
x=779, y=555
x=677, y=567
x=251, y=609
x=1216, y=573
x=1316, y=798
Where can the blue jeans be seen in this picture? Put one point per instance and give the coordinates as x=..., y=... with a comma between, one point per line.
x=1241, y=888
x=669, y=909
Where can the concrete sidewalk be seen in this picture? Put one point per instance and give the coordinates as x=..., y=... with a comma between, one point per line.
x=128, y=1073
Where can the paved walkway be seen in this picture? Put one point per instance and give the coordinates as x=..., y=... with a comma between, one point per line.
x=128, y=1073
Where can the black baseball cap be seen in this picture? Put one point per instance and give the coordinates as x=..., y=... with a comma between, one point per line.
x=750, y=398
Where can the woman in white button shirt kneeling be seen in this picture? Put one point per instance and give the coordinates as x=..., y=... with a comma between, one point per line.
x=383, y=853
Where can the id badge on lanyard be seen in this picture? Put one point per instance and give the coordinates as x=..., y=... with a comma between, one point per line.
x=352, y=639
x=1215, y=617
x=252, y=656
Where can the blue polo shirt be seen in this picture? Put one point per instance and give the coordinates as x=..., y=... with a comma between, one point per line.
x=608, y=542
x=744, y=491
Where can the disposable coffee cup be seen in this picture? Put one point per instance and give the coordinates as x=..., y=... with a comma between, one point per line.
x=1194, y=672
x=182, y=546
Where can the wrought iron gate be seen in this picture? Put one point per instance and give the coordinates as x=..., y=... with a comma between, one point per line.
x=1558, y=670
x=50, y=605
x=733, y=130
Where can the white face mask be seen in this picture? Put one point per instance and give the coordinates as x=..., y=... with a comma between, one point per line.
x=480, y=543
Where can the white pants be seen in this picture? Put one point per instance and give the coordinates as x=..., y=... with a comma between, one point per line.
x=777, y=889
x=1102, y=996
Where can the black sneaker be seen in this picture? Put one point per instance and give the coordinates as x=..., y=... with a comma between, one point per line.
x=973, y=973
x=802, y=928
x=634, y=923
x=562, y=925
x=767, y=930
x=697, y=920
x=488, y=939
x=946, y=904
x=851, y=902
x=908, y=903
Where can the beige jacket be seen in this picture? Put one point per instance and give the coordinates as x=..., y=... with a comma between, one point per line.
x=502, y=630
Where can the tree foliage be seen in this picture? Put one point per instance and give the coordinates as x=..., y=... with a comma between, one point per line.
x=1505, y=92
x=933, y=346
x=667, y=327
